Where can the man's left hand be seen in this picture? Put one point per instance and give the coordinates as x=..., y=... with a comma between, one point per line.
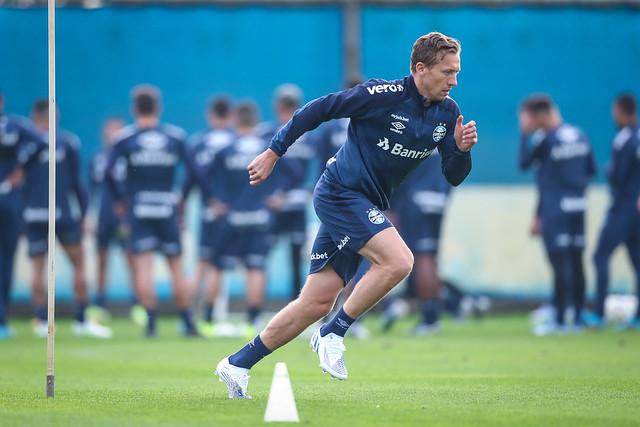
x=466, y=136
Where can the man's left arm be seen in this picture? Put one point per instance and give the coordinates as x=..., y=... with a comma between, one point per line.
x=455, y=151
x=74, y=166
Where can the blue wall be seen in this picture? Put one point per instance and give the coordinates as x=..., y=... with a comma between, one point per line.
x=583, y=57
x=189, y=53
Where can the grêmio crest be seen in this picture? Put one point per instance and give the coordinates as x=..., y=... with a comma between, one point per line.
x=439, y=132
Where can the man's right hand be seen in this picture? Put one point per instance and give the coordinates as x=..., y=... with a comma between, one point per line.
x=260, y=168
x=218, y=207
x=121, y=209
x=536, y=226
x=526, y=122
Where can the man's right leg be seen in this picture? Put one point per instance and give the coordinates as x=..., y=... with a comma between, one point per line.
x=38, y=294
x=315, y=301
x=611, y=236
x=101, y=299
x=428, y=286
x=143, y=279
x=10, y=230
x=213, y=276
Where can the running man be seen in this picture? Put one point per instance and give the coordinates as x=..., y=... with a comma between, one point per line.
x=564, y=164
x=152, y=152
x=71, y=203
x=15, y=133
x=109, y=227
x=204, y=148
x=622, y=224
x=394, y=126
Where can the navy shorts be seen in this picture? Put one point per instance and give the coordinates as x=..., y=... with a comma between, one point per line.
x=562, y=231
x=246, y=246
x=421, y=231
x=210, y=235
x=348, y=220
x=111, y=230
x=293, y=223
x=154, y=234
x=68, y=232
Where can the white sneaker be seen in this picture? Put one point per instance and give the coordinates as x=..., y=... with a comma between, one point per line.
x=330, y=350
x=235, y=377
x=548, y=328
x=40, y=328
x=424, y=330
x=89, y=328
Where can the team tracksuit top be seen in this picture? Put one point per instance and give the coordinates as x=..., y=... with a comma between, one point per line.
x=390, y=133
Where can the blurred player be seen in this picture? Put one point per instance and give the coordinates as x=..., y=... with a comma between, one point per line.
x=394, y=126
x=110, y=227
x=564, y=163
x=622, y=224
x=152, y=152
x=205, y=148
x=71, y=203
x=292, y=203
x=247, y=220
x=419, y=205
x=15, y=133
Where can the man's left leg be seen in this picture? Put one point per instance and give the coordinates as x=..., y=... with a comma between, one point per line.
x=82, y=326
x=182, y=294
x=428, y=286
x=391, y=261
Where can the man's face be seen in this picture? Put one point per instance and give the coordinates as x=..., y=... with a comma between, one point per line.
x=618, y=116
x=436, y=82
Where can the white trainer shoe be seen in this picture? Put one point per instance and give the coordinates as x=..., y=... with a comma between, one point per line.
x=89, y=328
x=330, y=350
x=235, y=377
x=40, y=328
x=424, y=330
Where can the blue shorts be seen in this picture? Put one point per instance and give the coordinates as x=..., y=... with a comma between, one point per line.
x=562, y=231
x=246, y=246
x=68, y=232
x=348, y=220
x=421, y=231
x=154, y=234
x=293, y=223
x=210, y=235
x=110, y=230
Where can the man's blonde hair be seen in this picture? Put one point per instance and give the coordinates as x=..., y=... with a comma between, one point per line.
x=431, y=48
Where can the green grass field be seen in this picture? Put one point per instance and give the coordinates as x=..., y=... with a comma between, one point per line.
x=482, y=373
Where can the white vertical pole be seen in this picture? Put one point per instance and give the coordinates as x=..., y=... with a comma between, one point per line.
x=51, y=283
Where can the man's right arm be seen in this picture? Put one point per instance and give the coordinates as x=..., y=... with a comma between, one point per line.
x=354, y=102
x=117, y=151
x=527, y=153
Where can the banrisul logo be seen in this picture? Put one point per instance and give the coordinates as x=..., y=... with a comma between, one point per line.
x=439, y=132
x=375, y=216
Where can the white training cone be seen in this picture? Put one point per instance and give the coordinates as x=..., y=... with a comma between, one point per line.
x=281, y=406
